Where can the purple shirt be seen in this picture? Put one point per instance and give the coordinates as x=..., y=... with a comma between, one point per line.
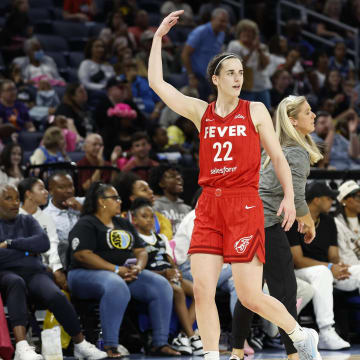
x=16, y=115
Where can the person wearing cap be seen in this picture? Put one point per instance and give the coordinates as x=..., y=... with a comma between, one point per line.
x=347, y=222
x=113, y=129
x=319, y=263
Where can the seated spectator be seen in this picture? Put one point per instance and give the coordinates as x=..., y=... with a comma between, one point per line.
x=101, y=245
x=332, y=9
x=281, y=81
x=18, y=27
x=295, y=39
x=340, y=153
x=167, y=183
x=117, y=32
x=94, y=149
x=46, y=102
x=13, y=111
x=11, y=170
x=321, y=68
x=74, y=106
x=182, y=134
x=144, y=97
x=33, y=194
x=72, y=139
x=347, y=222
x=64, y=208
x=116, y=128
x=255, y=59
x=95, y=71
x=292, y=63
x=22, y=274
x=140, y=161
x=160, y=261
x=143, y=53
x=130, y=186
x=340, y=62
x=79, y=10
x=37, y=66
x=141, y=25
x=319, y=264
x=187, y=17
x=278, y=48
x=52, y=149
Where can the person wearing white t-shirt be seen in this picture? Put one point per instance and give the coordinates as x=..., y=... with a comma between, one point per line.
x=348, y=224
x=33, y=194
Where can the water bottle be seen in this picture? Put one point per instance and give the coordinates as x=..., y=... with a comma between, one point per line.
x=100, y=342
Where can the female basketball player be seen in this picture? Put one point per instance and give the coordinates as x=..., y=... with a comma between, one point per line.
x=229, y=223
x=294, y=123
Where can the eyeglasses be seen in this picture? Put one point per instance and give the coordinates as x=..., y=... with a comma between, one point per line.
x=113, y=197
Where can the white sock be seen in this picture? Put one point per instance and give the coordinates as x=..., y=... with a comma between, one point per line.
x=211, y=355
x=21, y=343
x=297, y=334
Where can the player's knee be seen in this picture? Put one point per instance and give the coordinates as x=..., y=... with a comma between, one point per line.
x=203, y=292
x=250, y=302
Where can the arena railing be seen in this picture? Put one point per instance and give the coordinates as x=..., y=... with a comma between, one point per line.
x=284, y=5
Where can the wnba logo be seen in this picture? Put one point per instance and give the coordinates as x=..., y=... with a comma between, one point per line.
x=241, y=245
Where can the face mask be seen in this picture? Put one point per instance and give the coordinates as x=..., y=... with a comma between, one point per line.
x=39, y=55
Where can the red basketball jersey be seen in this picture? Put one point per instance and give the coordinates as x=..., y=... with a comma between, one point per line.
x=229, y=152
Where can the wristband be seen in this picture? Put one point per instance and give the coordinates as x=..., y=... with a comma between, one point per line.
x=330, y=265
x=116, y=269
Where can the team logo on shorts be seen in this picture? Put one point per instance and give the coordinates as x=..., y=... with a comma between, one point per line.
x=241, y=245
x=120, y=239
x=75, y=243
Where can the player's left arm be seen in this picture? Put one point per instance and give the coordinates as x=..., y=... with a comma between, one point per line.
x=264, y=125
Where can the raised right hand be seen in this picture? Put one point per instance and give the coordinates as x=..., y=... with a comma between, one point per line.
x=168, y=23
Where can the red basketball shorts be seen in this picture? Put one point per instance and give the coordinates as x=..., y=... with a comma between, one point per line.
x=230, y=223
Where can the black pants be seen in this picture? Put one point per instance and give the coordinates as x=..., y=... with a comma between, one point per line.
x=15, y=289
x=280, y=278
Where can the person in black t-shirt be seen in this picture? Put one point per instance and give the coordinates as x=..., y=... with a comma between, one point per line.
x=107, y=263
x=319, y=264
x=161, y=261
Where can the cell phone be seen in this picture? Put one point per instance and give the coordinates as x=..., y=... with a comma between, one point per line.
x=129, y=262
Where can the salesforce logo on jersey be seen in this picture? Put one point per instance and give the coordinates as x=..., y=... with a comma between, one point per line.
x=223, y=170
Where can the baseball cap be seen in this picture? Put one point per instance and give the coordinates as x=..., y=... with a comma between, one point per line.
x=115, y=81
x=318, y=189
x=347, y=188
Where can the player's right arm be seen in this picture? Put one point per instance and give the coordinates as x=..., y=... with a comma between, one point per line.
x=186, y=106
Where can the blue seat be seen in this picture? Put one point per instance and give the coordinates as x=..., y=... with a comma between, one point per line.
x=44, y=27
x=52, y=43
x=41, y=4
x=77, y=44
x=72, y=75
x=29, y=141
x=75, y=58
x=75, y=156
x=59, y=59
x=70, y=30
x=39, y=14
x=57, y=13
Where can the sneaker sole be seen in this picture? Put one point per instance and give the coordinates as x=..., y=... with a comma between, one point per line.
x=316, y=336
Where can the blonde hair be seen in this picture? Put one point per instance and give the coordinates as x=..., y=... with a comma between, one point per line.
x=286, y=132
x=246, y=24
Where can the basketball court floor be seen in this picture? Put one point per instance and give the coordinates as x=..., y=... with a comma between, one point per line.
x=269, y=354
